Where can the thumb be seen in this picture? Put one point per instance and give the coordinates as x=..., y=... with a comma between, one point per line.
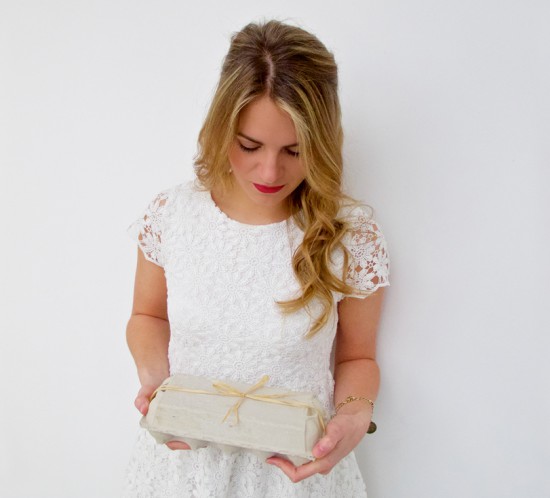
x=142, y=399
x=328, y=442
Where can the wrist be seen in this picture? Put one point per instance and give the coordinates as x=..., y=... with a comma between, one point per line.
x=357, y=403
x=152, y=377
x=360, y=408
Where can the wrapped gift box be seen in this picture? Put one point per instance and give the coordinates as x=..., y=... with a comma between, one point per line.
x=266, y=420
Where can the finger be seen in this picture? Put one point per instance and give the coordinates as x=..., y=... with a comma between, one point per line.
x=178, y=445
x=324, y=446
x=143, y=399
x=296, y=474
x=142, y=404
x=328, y=442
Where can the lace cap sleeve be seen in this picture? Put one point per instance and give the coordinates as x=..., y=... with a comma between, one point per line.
x=148, y=229
x=369, y=263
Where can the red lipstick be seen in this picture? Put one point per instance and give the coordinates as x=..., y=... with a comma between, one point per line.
x=267, y=190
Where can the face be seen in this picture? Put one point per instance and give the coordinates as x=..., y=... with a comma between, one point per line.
x=265, y=158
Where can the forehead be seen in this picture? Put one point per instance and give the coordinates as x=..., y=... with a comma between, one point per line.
x=265, y=121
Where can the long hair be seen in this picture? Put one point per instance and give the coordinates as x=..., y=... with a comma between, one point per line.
x=300, y=75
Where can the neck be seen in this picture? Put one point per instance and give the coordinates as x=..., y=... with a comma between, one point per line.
x=240, y=208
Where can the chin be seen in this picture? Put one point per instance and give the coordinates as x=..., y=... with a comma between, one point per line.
x=269, y=199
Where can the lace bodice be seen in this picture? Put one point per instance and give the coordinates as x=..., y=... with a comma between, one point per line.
x=223, y=280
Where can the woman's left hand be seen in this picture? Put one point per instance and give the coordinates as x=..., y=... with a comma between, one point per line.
x=342, y=434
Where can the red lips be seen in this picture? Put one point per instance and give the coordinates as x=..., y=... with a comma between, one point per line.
x=268, y=190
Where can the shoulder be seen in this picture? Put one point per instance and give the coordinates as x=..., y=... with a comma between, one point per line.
x=187, y=191
x=154, y=229
x=166, y=200
x=184, y=207
x=182, y=189
x=158, y=209
x=360, y=223
x=369, y=263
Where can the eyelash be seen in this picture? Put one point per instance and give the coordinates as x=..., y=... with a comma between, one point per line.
x=252, y=149
x=247, y=149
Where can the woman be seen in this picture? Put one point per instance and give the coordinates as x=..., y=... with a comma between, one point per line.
x=258, y=268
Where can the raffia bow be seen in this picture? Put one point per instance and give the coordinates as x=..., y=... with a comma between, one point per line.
x=224, y=389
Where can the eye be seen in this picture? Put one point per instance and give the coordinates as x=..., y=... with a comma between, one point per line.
x=293, y=153
x=247, y=149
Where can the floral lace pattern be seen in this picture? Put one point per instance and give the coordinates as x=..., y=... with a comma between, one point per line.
x=368, y=269
x=210, y=472
x=149, y=228
x=223, y=279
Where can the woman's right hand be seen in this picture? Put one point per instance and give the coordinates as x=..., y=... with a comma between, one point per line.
x=142, y=404
x=143, y=397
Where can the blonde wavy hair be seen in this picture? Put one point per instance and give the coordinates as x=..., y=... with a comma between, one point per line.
x=300, y=75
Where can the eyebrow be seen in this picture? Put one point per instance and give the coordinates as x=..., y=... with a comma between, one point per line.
x=260, y=143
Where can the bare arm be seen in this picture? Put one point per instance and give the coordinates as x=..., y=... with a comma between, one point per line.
x=148, y=334
x=148, y=330
x=356, y=370
x=356, y=373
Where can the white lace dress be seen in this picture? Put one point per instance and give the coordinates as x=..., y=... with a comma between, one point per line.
x=223, y=278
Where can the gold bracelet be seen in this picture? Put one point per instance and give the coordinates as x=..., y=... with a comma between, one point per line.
x=349, y=399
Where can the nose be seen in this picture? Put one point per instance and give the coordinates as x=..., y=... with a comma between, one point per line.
x=269, y=168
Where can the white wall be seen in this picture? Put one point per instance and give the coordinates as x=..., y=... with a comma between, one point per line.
x=446, y=112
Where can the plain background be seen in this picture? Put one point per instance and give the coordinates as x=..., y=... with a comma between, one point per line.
x=446, y=113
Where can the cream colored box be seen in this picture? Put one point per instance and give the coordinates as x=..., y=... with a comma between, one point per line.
x=266, y=420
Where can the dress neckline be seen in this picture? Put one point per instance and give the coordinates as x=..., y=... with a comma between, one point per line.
x=239, y=224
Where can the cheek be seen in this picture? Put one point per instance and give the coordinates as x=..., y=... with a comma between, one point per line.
x=240, y=161
x=300, y=172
